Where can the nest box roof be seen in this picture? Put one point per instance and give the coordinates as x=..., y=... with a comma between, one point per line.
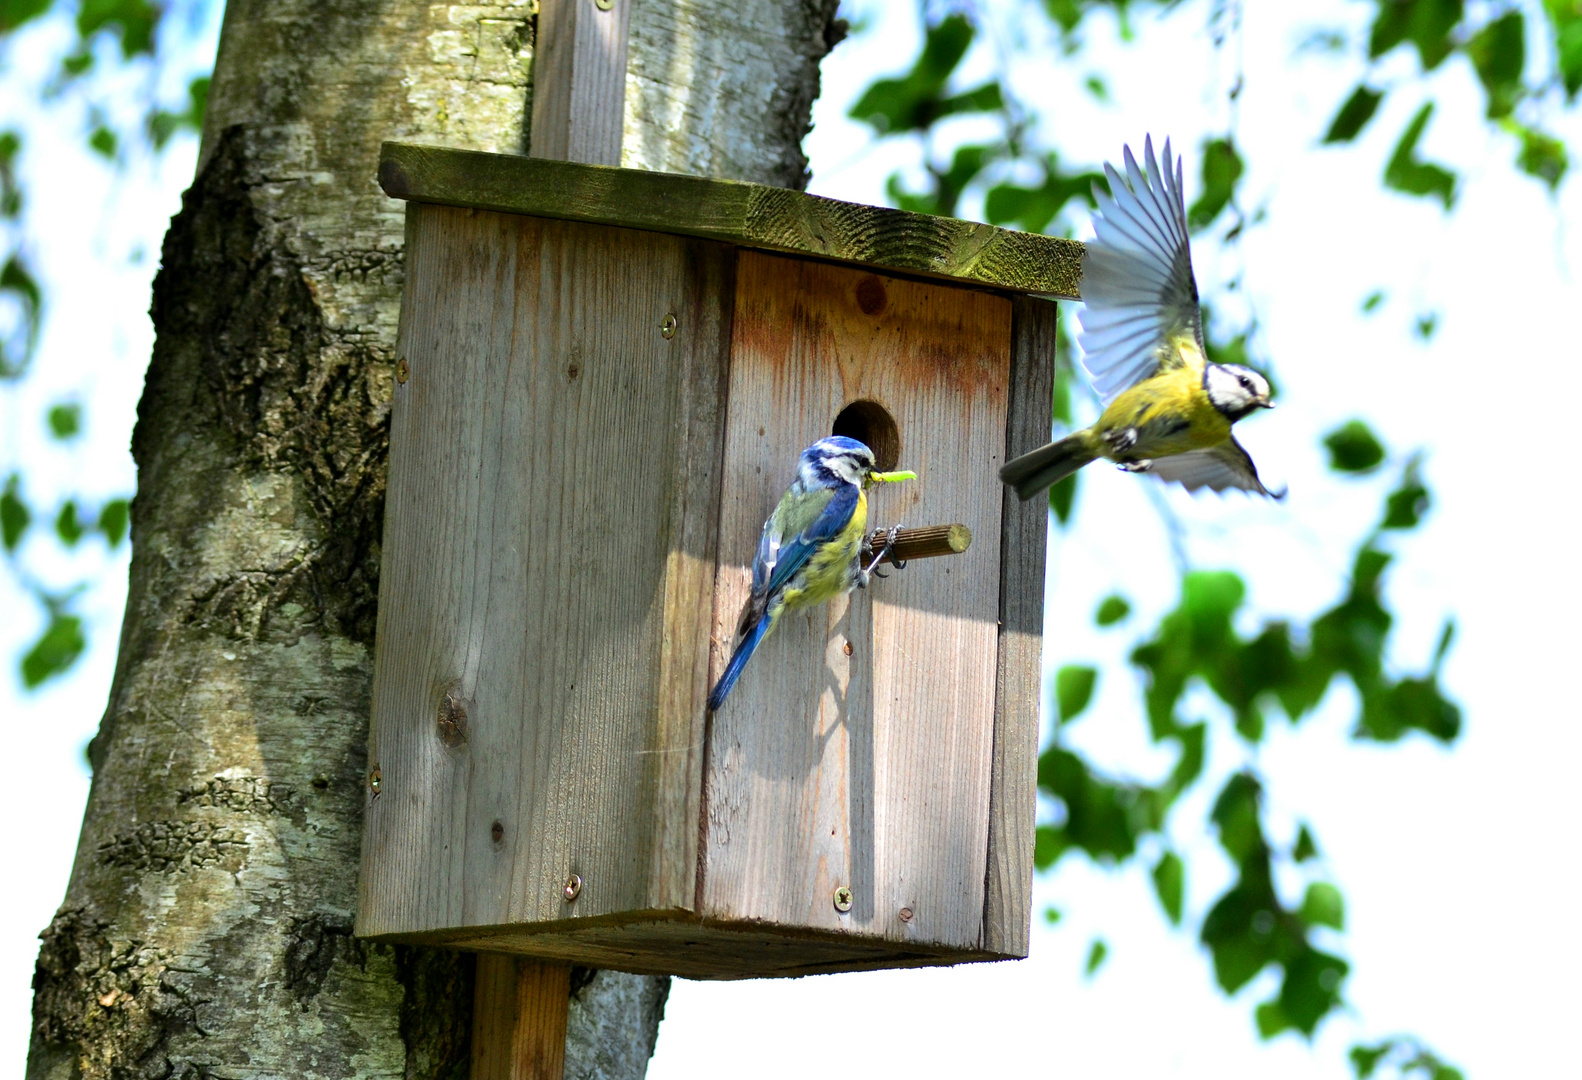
x=750, y=215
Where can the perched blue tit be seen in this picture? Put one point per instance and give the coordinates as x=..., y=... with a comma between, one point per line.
x=1168, y=410
x=808, y=552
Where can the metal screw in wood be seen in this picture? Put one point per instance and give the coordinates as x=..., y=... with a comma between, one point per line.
x=402, y=371
x=573, y=888
x=604, y=5
x=668, y=327
x=843, y=899
x=906, y=914
x=376, y=782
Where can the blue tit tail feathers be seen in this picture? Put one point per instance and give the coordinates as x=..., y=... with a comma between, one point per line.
x=744, y=652
x=1033, y=472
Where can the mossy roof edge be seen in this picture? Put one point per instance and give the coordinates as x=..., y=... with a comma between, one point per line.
x=751, y=215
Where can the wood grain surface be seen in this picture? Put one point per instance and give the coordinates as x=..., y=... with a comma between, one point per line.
x=1007, y=909
x=519, y=1016
x=547, y=579
x=579, y=81
x=856, y=750
x=750, y=215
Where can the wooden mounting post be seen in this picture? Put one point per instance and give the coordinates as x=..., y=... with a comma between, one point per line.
x=520, y=1005
x=579, y=80
x=519, y=1018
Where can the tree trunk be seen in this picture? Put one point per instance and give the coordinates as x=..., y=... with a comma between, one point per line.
x=207, y=927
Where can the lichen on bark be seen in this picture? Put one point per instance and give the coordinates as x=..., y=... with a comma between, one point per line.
x=207, y=927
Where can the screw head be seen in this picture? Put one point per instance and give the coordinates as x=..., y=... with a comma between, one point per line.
x=376, y=781
x=668, y=327
x=906, y=914
x=573, y=888
x=402, y=371
x=604, y=5
x=843, y=899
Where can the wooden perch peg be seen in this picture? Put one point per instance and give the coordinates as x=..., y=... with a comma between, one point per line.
x=923, y=542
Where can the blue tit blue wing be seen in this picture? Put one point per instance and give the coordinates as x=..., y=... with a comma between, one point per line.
x=1219, y=468
x=834, y=513
x=1140, y=298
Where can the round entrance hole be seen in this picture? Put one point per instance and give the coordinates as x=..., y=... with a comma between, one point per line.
x=870, y=424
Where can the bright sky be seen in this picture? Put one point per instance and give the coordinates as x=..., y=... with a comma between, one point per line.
x=1455, y=863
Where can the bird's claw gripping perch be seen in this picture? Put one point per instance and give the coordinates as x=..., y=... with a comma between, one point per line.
x=889, y=545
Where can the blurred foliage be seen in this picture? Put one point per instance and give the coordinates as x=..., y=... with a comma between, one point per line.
x=1208, y=670
x=1405, y=1056
x=108, y=40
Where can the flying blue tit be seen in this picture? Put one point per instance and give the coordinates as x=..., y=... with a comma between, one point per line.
x=1168, y=409
x=808, y=552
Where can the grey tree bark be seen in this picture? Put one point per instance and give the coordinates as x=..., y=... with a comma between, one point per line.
x=206, y=930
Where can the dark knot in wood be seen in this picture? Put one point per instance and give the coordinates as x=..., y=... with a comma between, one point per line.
x=453, y=719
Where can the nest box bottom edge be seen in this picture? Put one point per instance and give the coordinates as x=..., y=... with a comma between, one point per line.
x=679, y=943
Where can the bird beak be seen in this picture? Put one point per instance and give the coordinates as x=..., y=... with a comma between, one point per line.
x=1266, y=403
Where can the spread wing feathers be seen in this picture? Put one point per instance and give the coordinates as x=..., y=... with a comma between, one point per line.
x=1227, y=465
x=1137, y=285
x=802, y=522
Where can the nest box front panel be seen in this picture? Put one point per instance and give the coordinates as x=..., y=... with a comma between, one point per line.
x=856, y=751
x=547, y=574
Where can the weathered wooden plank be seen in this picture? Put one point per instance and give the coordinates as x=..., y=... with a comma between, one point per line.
x=519, y=1016
x=856, y=749
x=547, y=576
x=1008, y=891
x=579, y=81
x=750, y=215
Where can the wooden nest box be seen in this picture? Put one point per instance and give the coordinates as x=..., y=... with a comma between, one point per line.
x=604, y=380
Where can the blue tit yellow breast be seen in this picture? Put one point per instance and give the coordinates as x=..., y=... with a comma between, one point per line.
x=1171, y=414
x=830, y=571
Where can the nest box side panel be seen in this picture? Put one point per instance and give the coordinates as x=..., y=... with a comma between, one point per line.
x=1008, y=900
x=548, y=565
x=857, y=749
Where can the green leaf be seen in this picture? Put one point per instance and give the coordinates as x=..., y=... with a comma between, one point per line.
x=1365, y=1059
x=115, y=517
x=14, y=514
x=1235, y=814
x=1306, y=847
x=1427, y=324
x=65, y=420
x=1409, y=174
x=103, y=142
x=1324, y=906
x=1073, y=690
x=10, y=190
x=1310, y=989
x=13, y=13
x=1222, y=168
x=162, y=125
x=916, y=100
x=1427, y=24
x=133, y=21
x=1565, y=18
x=1051, y=915
x=1541, y=156
x=67, y=527
x=1096, y=954
x=1354, y=114
x=1033, y=208
x=1112, y=609
x=1405, y=506
x=1499, y=55
x=55, y=650
x=1062, y=496
x=17, y=282
x=1170, y=883
x=1353, y=448
x=1371, y=302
